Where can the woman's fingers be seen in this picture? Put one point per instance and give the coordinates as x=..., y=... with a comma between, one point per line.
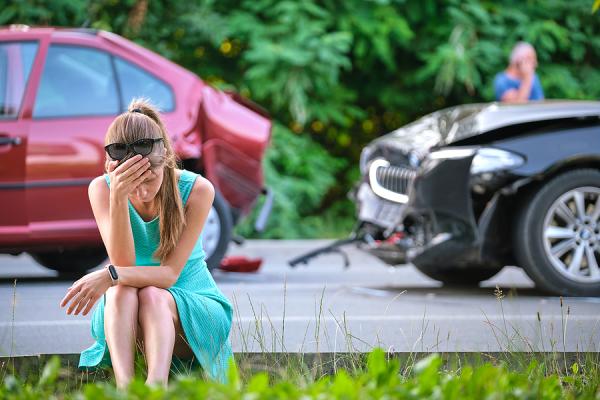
x=125, y=165
x=72, y=292
x=125, y=180
x=138, y=172
x=90, y=304
x=80, y=296
x=139, y=165
x=84, y=301
x=134, y=171
x=128, y=166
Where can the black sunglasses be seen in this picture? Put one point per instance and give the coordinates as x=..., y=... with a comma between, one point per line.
x=118, y=151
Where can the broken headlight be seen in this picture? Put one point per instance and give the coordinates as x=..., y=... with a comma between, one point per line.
x=490, y=159
x=487, y=159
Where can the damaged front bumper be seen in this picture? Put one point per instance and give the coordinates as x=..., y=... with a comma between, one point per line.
x=440, y=206
x=425, y=214
x=447, y=212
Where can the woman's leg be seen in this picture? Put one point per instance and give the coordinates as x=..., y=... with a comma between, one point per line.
x=162, y=332
x=120, y=330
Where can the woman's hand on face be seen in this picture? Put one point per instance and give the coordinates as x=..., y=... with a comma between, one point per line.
x=125, y=178
x=86, y=291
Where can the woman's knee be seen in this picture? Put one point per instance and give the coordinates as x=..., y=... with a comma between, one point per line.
x=122, y=294
x=151, y=297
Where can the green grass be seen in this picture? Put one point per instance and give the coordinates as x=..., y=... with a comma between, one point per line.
x=378, y=376
x=274, y=373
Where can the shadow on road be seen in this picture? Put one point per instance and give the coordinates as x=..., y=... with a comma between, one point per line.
x=507, y=291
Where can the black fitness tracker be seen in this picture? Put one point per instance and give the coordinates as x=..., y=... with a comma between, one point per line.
x=113, y=274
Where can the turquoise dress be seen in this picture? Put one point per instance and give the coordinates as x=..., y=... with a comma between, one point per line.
x=205, y=313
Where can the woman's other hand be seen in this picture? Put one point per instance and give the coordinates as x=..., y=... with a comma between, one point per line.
x=125, y=178
x=86, y=291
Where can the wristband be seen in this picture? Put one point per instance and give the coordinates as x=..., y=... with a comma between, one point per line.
x=112, y=272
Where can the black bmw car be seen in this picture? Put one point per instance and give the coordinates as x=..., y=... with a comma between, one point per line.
x=464, y=191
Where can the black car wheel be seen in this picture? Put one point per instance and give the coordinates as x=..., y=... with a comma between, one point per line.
x=216, y=233
x=71, y=262
x=454, y=276
x=557, y=234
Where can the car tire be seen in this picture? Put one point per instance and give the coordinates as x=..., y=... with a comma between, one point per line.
x=217, y=231
x=534, y=252
x=71, y=262
x=455, y=276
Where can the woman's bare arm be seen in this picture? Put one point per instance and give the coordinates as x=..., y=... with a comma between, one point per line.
x=164, y=276
x=111, y=209
x=112, y=218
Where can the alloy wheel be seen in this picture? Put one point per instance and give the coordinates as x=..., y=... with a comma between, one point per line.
x=572, y=234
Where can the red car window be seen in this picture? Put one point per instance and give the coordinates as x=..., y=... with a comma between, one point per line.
x=76, y=81
x=16, y=60
x=136, y=82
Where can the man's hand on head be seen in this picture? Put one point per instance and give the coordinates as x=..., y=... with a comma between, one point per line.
x=526, y=68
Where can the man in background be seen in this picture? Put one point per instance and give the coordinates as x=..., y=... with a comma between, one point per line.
x=519, y=83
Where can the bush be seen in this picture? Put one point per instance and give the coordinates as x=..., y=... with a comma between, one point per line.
x=301, y=174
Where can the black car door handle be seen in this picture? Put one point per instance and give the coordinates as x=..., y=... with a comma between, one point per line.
x=4, y=140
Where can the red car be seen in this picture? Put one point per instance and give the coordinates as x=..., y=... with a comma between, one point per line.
x=59, y=91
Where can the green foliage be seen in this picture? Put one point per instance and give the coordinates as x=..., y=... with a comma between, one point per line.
x=300, y=173
x=480, y=35
x=50, y=372
x=381, y=379
x=55, y=12
x=295, y=37
x=13, y=388
x=341, y=73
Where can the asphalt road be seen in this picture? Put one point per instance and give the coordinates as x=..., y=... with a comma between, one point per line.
x=324, y=307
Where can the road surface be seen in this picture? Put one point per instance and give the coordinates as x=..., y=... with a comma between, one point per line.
x=322, y=307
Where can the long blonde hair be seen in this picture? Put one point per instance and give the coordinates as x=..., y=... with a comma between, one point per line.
x=142, y=123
